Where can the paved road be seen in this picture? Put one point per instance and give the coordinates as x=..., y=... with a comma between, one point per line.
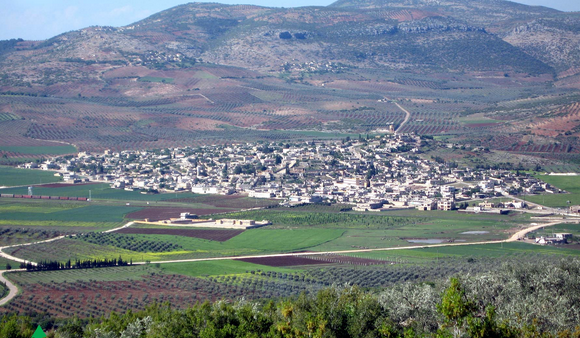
x=13, y=289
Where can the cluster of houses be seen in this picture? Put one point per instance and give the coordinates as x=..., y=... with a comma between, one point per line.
x=372, y=174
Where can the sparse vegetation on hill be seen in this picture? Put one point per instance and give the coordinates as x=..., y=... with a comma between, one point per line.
x=188, y=75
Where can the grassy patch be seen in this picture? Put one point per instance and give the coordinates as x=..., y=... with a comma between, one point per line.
x=46, y=150
x=13, y=177
x=62, y=212
x=569, y=183
x=156, y=79
x=64, y=226
x=213, y=268
x=472, y=251
x=258, y=241
x=307, y=218
x=98, y=192
x=4, y=261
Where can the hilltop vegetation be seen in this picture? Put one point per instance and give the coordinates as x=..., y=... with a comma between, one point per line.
x=515, y=301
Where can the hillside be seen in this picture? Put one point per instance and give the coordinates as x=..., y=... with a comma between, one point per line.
x=192, y=73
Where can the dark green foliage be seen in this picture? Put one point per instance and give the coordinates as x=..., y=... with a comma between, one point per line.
x=8, y=45
x=3, y=289
x=77, y=264
x=129, y=242
x=459, y=307
x=16, y=327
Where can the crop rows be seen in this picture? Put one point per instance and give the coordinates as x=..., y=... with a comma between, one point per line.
x=233, y=97
x=8, y=117
x=13, y=235
x=419, y=83
x=93, y=298
x=542, y=148
x=209, y=234
x=400, y=15
x=128, y=242
x=320, y=219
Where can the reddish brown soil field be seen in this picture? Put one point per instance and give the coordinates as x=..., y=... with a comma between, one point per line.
x=212, y=235
x=283, y=261
x=85, y=299
x=163, y=213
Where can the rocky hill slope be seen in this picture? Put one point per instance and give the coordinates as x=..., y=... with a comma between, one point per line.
x=191, y=73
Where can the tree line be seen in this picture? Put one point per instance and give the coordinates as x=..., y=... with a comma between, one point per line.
x=50, y=265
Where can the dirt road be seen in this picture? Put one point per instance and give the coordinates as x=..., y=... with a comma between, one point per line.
x=11, y=287
x=407, y=114
x=20, y=260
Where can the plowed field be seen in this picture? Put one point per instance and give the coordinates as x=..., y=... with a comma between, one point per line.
x=283, y=261
x=212, y=235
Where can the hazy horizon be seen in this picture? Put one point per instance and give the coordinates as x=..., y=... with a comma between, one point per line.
x=39, y=20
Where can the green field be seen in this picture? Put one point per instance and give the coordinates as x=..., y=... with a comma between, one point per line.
x=251, y=242
x=61, y=215
x=46, y=150
x=569, y=183
x=14, y=177
x=4, y=261
x=156, y=79
x=476, y=251
x=121, y=273
x=325, y=217
x=574, y=229
x=72, y=212
x=101, y=191
x=212, y=268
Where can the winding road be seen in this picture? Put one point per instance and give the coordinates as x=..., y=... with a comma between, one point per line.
x=514, y=238
x=13, y=289
x=407, y=114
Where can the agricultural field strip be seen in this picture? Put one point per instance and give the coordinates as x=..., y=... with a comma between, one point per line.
x=515, y=237
x=5, y=255
x=11, y=287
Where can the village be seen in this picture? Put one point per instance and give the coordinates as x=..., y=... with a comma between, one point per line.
x=371, y=174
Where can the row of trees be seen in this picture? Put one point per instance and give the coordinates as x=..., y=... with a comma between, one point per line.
x=77, y=264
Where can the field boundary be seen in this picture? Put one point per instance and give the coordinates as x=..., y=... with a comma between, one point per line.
x=514, y=238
